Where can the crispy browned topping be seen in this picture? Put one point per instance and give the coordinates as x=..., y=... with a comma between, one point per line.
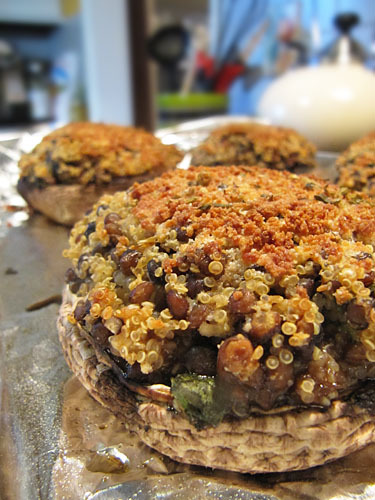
x=279, y=266
x=81, y=153
x=264, y=214
x=255, y=144
x=356, y=165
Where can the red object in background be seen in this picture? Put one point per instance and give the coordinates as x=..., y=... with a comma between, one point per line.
x=205, y=64
x=227, y=74
x=217, y=80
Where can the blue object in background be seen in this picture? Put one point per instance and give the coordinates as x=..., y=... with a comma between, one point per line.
x=316, y=18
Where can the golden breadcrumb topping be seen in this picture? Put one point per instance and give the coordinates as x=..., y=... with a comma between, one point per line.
x=274, y=271
x=356, y=165
x=264, y=214
x=255, y=144
x=82, y=153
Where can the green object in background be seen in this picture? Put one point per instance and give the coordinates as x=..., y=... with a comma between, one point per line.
x=196, y=101
x=175, y=107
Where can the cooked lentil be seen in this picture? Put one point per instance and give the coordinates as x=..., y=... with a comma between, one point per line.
x=237, y=286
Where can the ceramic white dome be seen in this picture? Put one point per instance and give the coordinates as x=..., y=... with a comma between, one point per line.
x=332, y=105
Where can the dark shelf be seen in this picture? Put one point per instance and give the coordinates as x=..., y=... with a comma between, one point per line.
x=8, y=28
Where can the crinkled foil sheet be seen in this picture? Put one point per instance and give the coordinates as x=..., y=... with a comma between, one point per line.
x=56, y=442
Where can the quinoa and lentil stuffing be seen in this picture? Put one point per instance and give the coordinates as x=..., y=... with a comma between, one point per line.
x=255, y=144
x=85, y=153
x=263, y=280
x=356, y=165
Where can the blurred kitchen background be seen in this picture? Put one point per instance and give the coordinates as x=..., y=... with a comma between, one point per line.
x=152, y=63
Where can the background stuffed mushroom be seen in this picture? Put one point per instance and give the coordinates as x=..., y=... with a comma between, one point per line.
x=279, y=148
x=68, y=171
x=356, y=166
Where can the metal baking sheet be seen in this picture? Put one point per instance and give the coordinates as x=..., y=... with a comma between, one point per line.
x=56, y=441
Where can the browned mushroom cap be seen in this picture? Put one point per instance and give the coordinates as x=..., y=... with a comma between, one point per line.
x=67, y=203
x=279, y=440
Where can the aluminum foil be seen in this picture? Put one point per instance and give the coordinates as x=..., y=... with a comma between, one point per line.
x=56, y=441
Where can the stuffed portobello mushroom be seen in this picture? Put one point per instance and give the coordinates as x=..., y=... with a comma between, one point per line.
x=74, y=165
x=268, y=146
x=227, y=315
x=356, y=165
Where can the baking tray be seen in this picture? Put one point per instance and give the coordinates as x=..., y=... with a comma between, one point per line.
x=56, y=441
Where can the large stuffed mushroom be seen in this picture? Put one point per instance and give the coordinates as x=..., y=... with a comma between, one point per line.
x=226, y=314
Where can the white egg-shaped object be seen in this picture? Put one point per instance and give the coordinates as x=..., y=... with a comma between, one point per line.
x=332, y=105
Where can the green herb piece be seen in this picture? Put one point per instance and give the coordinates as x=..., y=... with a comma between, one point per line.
x=326, y=199
x=215, y=205
x=195, y=396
